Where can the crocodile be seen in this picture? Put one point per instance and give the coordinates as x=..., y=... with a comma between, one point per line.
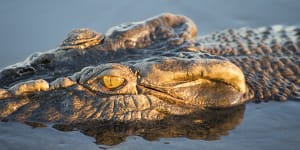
x=150, y=70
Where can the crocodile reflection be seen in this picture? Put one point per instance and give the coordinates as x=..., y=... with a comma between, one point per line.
x=208, y=124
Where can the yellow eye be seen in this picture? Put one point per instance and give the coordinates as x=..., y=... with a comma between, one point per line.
x=112, y=82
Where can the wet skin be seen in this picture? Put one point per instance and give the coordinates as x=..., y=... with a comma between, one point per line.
x=150, y=70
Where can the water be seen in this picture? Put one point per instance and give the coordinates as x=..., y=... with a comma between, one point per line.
x=272, y=125
x=30, y=26
x=34, y=25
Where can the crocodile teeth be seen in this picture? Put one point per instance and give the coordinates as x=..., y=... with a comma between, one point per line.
x=4, y=94
x=62, y=82
x=29, y=87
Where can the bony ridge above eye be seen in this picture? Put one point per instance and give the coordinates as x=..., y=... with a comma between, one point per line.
x=112, y=82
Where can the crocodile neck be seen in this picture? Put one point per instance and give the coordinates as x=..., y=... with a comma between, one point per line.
x=269, y=58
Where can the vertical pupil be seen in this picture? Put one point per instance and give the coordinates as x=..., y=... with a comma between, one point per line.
x=112, y=82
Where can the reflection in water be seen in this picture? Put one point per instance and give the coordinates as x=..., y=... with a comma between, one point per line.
x=205, y=125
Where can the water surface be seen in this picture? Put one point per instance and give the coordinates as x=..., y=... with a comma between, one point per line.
x=271, y=125
x=33, y=25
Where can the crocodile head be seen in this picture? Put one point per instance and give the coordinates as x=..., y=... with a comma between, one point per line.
x=137, y=71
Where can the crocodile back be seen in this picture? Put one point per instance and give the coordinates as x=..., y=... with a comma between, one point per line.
x=268, y=56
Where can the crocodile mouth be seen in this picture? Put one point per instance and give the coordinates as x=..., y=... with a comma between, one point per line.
x=209, y=94
x=220, y=85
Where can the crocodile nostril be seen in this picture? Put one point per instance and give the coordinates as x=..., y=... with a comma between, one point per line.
x=45, y=61
x=25, y=70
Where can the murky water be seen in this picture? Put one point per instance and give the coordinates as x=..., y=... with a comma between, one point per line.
x=34, y=25
x=272, y=125
x=30, y=26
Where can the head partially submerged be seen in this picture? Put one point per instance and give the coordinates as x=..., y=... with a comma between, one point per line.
x=139, y=71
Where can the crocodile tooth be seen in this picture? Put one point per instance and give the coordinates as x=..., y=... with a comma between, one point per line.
x=4, y=94
x=62, y=82
x=29, y=87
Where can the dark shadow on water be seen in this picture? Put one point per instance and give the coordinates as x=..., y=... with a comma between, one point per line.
x=204, y=125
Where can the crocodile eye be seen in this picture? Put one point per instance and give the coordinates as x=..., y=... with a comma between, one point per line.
x=112, y=82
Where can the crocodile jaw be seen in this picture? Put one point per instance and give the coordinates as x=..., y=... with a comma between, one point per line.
x=201, y=83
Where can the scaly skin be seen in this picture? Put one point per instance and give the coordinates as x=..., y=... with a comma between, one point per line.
x=268, y=56
x=150, y=70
